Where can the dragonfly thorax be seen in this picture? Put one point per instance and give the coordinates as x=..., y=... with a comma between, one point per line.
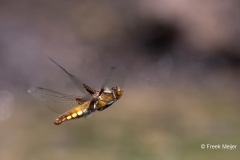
x=108, y=97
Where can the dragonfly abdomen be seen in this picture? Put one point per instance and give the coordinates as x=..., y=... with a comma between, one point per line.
x=73, y=114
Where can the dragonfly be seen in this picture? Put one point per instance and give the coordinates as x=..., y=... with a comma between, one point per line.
x=72, y=107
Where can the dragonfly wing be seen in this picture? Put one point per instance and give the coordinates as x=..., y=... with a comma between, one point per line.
x=82, y=86
x=57, y=102
x=115, y=78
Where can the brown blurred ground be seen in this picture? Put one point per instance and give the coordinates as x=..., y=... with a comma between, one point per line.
x=182, y=80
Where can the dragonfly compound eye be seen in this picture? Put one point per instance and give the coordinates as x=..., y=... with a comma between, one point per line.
x=119, y=94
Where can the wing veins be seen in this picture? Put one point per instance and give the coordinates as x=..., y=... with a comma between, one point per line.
x=57, y=102
x=80, y=84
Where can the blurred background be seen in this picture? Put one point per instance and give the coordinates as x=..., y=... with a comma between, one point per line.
x=182, y=61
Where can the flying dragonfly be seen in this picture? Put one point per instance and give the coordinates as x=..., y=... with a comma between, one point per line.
x=72, y=107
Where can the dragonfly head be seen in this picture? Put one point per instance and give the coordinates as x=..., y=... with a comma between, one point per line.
x=118, y=92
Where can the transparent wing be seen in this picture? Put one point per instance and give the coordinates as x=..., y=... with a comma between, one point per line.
x=82, y=86
x=115, y=77
x=57, y=102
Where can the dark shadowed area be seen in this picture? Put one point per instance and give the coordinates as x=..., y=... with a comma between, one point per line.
x=182, y=90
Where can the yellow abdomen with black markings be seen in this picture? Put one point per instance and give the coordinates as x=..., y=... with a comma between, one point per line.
x=78, y=112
